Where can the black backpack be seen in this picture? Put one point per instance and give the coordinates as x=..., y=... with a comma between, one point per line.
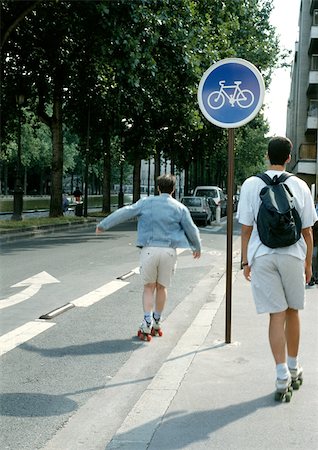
x=278, y=221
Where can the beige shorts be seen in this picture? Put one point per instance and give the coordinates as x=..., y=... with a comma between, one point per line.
x=278, y=283
x=157, y=264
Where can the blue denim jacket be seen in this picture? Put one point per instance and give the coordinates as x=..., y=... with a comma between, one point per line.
x=162, y=222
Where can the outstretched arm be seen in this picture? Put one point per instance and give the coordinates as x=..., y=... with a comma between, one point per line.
x=119, y=216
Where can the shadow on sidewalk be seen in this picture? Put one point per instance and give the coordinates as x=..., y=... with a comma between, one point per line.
x=180, y=429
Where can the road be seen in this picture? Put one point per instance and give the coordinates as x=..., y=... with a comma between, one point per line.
x=62, y=362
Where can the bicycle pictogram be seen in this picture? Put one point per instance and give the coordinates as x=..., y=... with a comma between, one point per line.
x=243, y=97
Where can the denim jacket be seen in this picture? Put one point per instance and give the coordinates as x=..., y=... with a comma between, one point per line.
x=162, y=222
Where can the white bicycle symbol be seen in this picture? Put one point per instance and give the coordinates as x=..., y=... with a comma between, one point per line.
x=243, y=97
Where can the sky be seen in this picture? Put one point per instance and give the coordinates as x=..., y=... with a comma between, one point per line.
x=285, y=19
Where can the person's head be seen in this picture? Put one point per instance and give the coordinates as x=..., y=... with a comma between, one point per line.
x=166, y=184
x=278, y=151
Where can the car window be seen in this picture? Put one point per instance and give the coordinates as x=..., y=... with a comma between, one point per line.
x=207, y=193
x=192, y=201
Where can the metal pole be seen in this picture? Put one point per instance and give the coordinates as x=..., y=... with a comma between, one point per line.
x=230, y=183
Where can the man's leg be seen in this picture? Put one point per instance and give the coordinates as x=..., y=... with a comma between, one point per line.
x=161, y=297
x=277, y=337
x=148, y=297
x=292, y=331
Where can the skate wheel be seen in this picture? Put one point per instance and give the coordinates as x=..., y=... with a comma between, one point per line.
x=278, y=396
x=288, y=397
x=160, y=333
x=153, y=332
x=296, y=385
x=148, y=337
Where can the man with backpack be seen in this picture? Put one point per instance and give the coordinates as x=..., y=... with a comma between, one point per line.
x=277, y=213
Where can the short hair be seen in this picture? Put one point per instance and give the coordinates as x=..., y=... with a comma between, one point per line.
x=166, y=183
x=279, y=149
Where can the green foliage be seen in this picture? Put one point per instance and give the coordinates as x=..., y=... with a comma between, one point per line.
x=131, y=69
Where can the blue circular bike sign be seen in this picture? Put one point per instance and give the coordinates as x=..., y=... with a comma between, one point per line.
x=231, y=92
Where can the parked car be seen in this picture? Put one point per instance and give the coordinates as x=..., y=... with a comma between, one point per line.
x=215, y=196
x=199, y=209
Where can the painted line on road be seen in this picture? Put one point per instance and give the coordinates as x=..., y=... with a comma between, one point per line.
x=14, y=338
x=98, y=294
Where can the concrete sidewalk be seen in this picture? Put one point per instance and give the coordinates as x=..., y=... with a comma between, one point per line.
x=212, y=395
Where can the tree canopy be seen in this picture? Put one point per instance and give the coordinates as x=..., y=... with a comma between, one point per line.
x=123, y=71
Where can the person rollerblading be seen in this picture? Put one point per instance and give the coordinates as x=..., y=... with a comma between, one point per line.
x=164, y=225
x=284, y=390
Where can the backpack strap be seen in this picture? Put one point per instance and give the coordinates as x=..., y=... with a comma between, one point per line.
x=276, y=180
x=266, y=178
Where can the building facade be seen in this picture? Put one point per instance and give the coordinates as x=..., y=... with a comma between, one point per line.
x=302, y=112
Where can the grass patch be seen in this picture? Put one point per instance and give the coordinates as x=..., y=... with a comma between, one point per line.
x=39, y=222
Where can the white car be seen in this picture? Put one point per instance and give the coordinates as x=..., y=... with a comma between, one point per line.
x=199, y=209
x=215, y=196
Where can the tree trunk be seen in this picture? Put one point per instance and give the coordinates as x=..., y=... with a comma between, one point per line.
x=136, y=180
x=86, y=170
x=186, y=179
x=157, y=170
x=56, y=208
x=106, y=207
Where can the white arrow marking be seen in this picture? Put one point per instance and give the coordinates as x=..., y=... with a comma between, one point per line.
x=33, y=284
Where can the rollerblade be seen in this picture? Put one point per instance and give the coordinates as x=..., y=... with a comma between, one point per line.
x=144, y=332
x=284, y=390
x=156, y=328
x=297, y=377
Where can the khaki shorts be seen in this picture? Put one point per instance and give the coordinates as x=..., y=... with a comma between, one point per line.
x=278, y=283
x=157, y=265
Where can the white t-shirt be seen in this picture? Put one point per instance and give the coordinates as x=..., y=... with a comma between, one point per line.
x=248, y=207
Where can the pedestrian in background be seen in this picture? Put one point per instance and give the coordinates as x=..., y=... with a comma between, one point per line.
x=164, y=224
x=77, y=194
x=277, y=274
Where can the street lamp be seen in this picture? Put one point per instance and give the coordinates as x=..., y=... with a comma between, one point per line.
x=18, y=188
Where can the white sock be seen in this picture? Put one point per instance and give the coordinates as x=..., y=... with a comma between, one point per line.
x=292, y=362
x=148, y=317
x=282, y=371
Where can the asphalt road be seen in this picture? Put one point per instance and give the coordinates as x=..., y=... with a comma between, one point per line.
x=48, y=377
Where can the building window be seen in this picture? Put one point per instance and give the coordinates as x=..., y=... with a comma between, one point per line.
x=313, y=108
x=315, y=17
x=314, y=62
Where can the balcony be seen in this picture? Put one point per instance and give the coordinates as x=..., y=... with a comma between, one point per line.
x=312, y=90
x=312, y=123
x=308, y=151
x=313, y=5
x=313, y=40
x=305, y=167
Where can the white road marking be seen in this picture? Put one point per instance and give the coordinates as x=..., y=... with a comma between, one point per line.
x=22, y=334
x=33, y=284
x=99, y=293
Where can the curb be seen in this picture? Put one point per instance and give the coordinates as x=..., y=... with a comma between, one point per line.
x=14, y=235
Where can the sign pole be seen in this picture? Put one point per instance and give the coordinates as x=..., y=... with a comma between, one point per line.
x=230, y=184
x=230, y=94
